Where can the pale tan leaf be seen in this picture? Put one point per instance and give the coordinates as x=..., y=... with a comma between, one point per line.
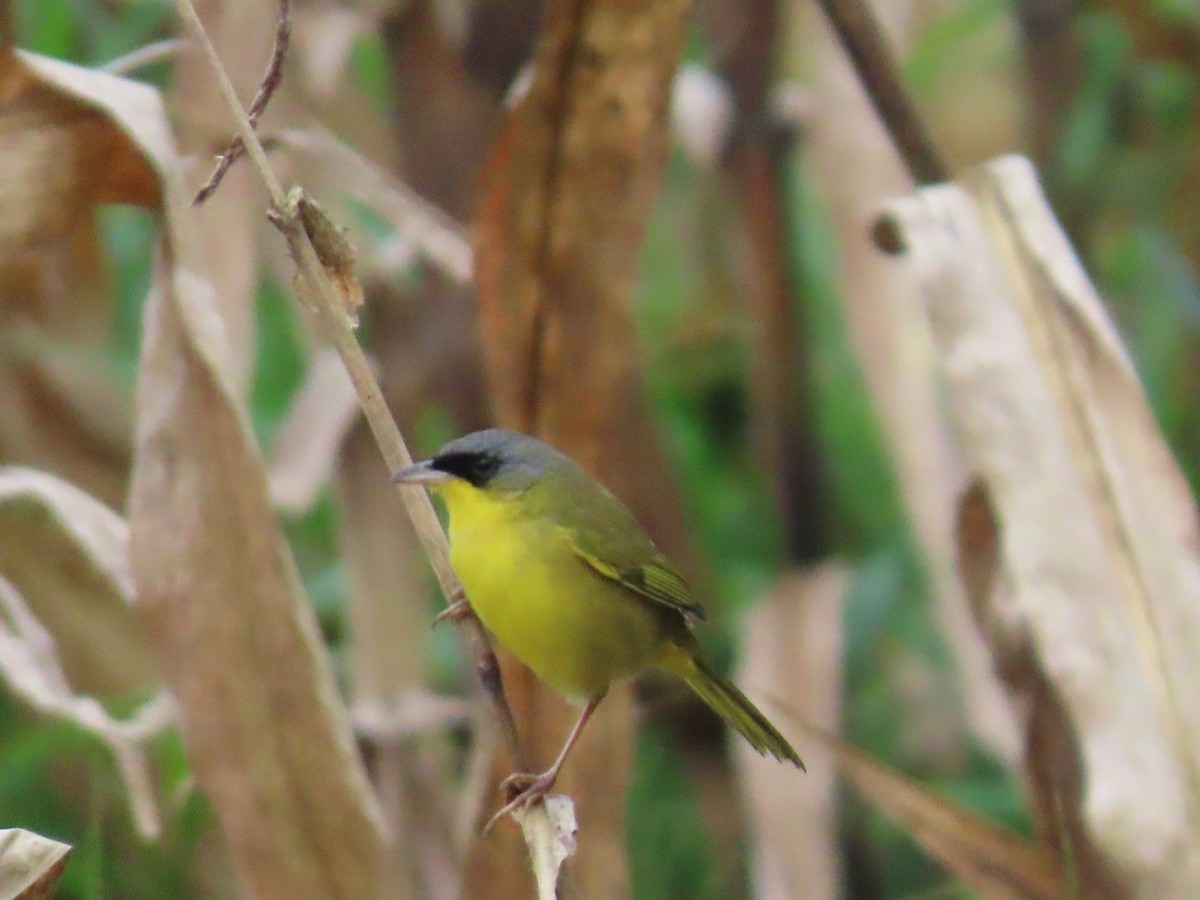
x=996, y=862
x=30, y=865
x=68, y=555
x=266, y=734
x=308, y=440
x=793, y=649
x=1097, y=534
x=551, y=841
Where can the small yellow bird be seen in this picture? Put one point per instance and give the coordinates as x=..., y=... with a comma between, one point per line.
x=560, y=572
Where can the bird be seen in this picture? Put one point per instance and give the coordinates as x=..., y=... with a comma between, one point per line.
x=560, y=572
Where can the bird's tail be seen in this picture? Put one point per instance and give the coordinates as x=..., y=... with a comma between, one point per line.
x=729, y=703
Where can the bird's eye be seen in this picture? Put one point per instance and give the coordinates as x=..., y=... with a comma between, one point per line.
x=475, y=468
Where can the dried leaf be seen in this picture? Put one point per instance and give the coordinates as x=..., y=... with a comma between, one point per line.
x=85, y=599
x=268, y=738
x=551, y=840
x=570, y=184
x=1097, y=531
x=793, y=649
x=62, y=158
x=30, y=865
x=335, y=252
x=29, y=666
x=992, y=860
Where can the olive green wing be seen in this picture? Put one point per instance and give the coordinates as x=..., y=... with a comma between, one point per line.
x=603, y=533
x=654, y=579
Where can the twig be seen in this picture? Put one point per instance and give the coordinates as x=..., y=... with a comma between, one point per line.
x=270, y=82
x=144, y=56
x=326, y=307
x=865, y=44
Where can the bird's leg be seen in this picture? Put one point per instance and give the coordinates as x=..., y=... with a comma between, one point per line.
x=525, y=789
x=459, y=608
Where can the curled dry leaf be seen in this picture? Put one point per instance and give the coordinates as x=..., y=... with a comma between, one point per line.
x=68, y=555
x=30, y=865
x=29, y=667
x=266, y=734
x=1096, y=531
x=335, y=253
x=551, y=841
x=793, y=650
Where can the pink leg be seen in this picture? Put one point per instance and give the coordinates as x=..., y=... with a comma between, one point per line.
x=532, y=788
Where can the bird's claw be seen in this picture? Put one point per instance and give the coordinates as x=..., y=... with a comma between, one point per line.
x=522, y=791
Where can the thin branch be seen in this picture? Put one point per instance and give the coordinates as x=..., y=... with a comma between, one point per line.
x=326, y=307
x=270, y=82
x=865, y=44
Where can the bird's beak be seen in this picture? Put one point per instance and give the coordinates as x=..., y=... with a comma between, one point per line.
x=420, y=473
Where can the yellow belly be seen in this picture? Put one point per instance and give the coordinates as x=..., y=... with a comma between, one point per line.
x=577, y=631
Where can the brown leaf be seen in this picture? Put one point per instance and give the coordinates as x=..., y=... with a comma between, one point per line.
x=63, y=157
x=1097, y=532
x=998, y=863
x=30, y=865
x=793, y=649
x=266, y=734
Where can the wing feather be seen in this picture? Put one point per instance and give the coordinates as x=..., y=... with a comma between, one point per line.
x=655, y=580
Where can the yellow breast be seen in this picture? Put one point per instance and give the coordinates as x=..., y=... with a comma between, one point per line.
x=577, y=631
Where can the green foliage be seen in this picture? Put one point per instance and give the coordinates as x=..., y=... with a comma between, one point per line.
x=669, y=857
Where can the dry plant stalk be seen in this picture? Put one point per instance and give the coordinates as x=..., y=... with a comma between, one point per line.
x=1089, y=604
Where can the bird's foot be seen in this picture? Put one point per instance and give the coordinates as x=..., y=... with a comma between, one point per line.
x=522, y=791
x=459, y=609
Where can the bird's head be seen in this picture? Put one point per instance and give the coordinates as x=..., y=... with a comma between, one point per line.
x=495, y=461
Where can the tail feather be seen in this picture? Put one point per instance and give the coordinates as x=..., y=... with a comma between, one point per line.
x=731, y=705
